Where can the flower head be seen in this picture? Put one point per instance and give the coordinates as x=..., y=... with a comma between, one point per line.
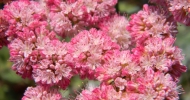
x=88, y=48
x=151, y=22
x=41, y=93
x=115, y=27
x=180, y=10
x=3, y=28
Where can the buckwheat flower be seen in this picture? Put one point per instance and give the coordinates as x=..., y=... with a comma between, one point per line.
x=88, y=48
x=27, y=13
x=52, y=68
x=41, y=93
x=19, y=51
x=174, y=92
x=60, y=24
x=120, y=83
x=116, y=29
x=176, y=70
x=132, y=96
x=133, y=87
x=87, y=95
x=164, y=86
x=43, y=37
x=26, y=50
x=54, y=47
x=78, y=8
x=116, y=64
x=152, y=85
x=77, y=15
x=151, y=22
x=158, y=62
x=3, y=28
x=160, y=54
x=83, y=9
x=56, y=5
x=108, y=72
x=59, y=5
x=64, y=26
x=180, y=10
x=100, y=9
x=21, y=67
x=90, y=5
x=87, y=92
x=105, y=8
x=66, y=17
x=129, y=63
x=105, y=92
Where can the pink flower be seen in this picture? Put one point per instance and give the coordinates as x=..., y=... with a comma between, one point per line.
x=61, y=24
x=105, y=8
x=53, y=68
x=19, y=51
x=28, y=14
x=3, y=28
x=151, y=22
x=23, y=50
x=180, y=10
x=160, y=54
x=120, y=83
x=164, y=86
x=82, y=14
x=116, y=64
x=152, y=85
x=108, y=72
x=43, y=37
x=116, y=29
x=88, y=48
x=105, y=92
x=41, y=93
x=90, y=5
x=134, y=60
x=176, y=70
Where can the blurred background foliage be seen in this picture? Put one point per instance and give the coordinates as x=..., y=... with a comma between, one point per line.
x=13, y=86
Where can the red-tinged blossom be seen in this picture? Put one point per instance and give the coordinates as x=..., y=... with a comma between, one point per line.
x=132, y=60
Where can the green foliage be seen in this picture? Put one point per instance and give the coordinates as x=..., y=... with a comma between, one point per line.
x=183, y=40
x=12, y=85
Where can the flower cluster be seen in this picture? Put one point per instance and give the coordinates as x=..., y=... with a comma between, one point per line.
x=88, y=49
x=133, y=59
x=178, y=8
x=72, y=16
x=3, y=28
x=150, y=22
x=41, y=93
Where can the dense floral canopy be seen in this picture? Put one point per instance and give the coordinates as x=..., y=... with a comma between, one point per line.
x=132, y=59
